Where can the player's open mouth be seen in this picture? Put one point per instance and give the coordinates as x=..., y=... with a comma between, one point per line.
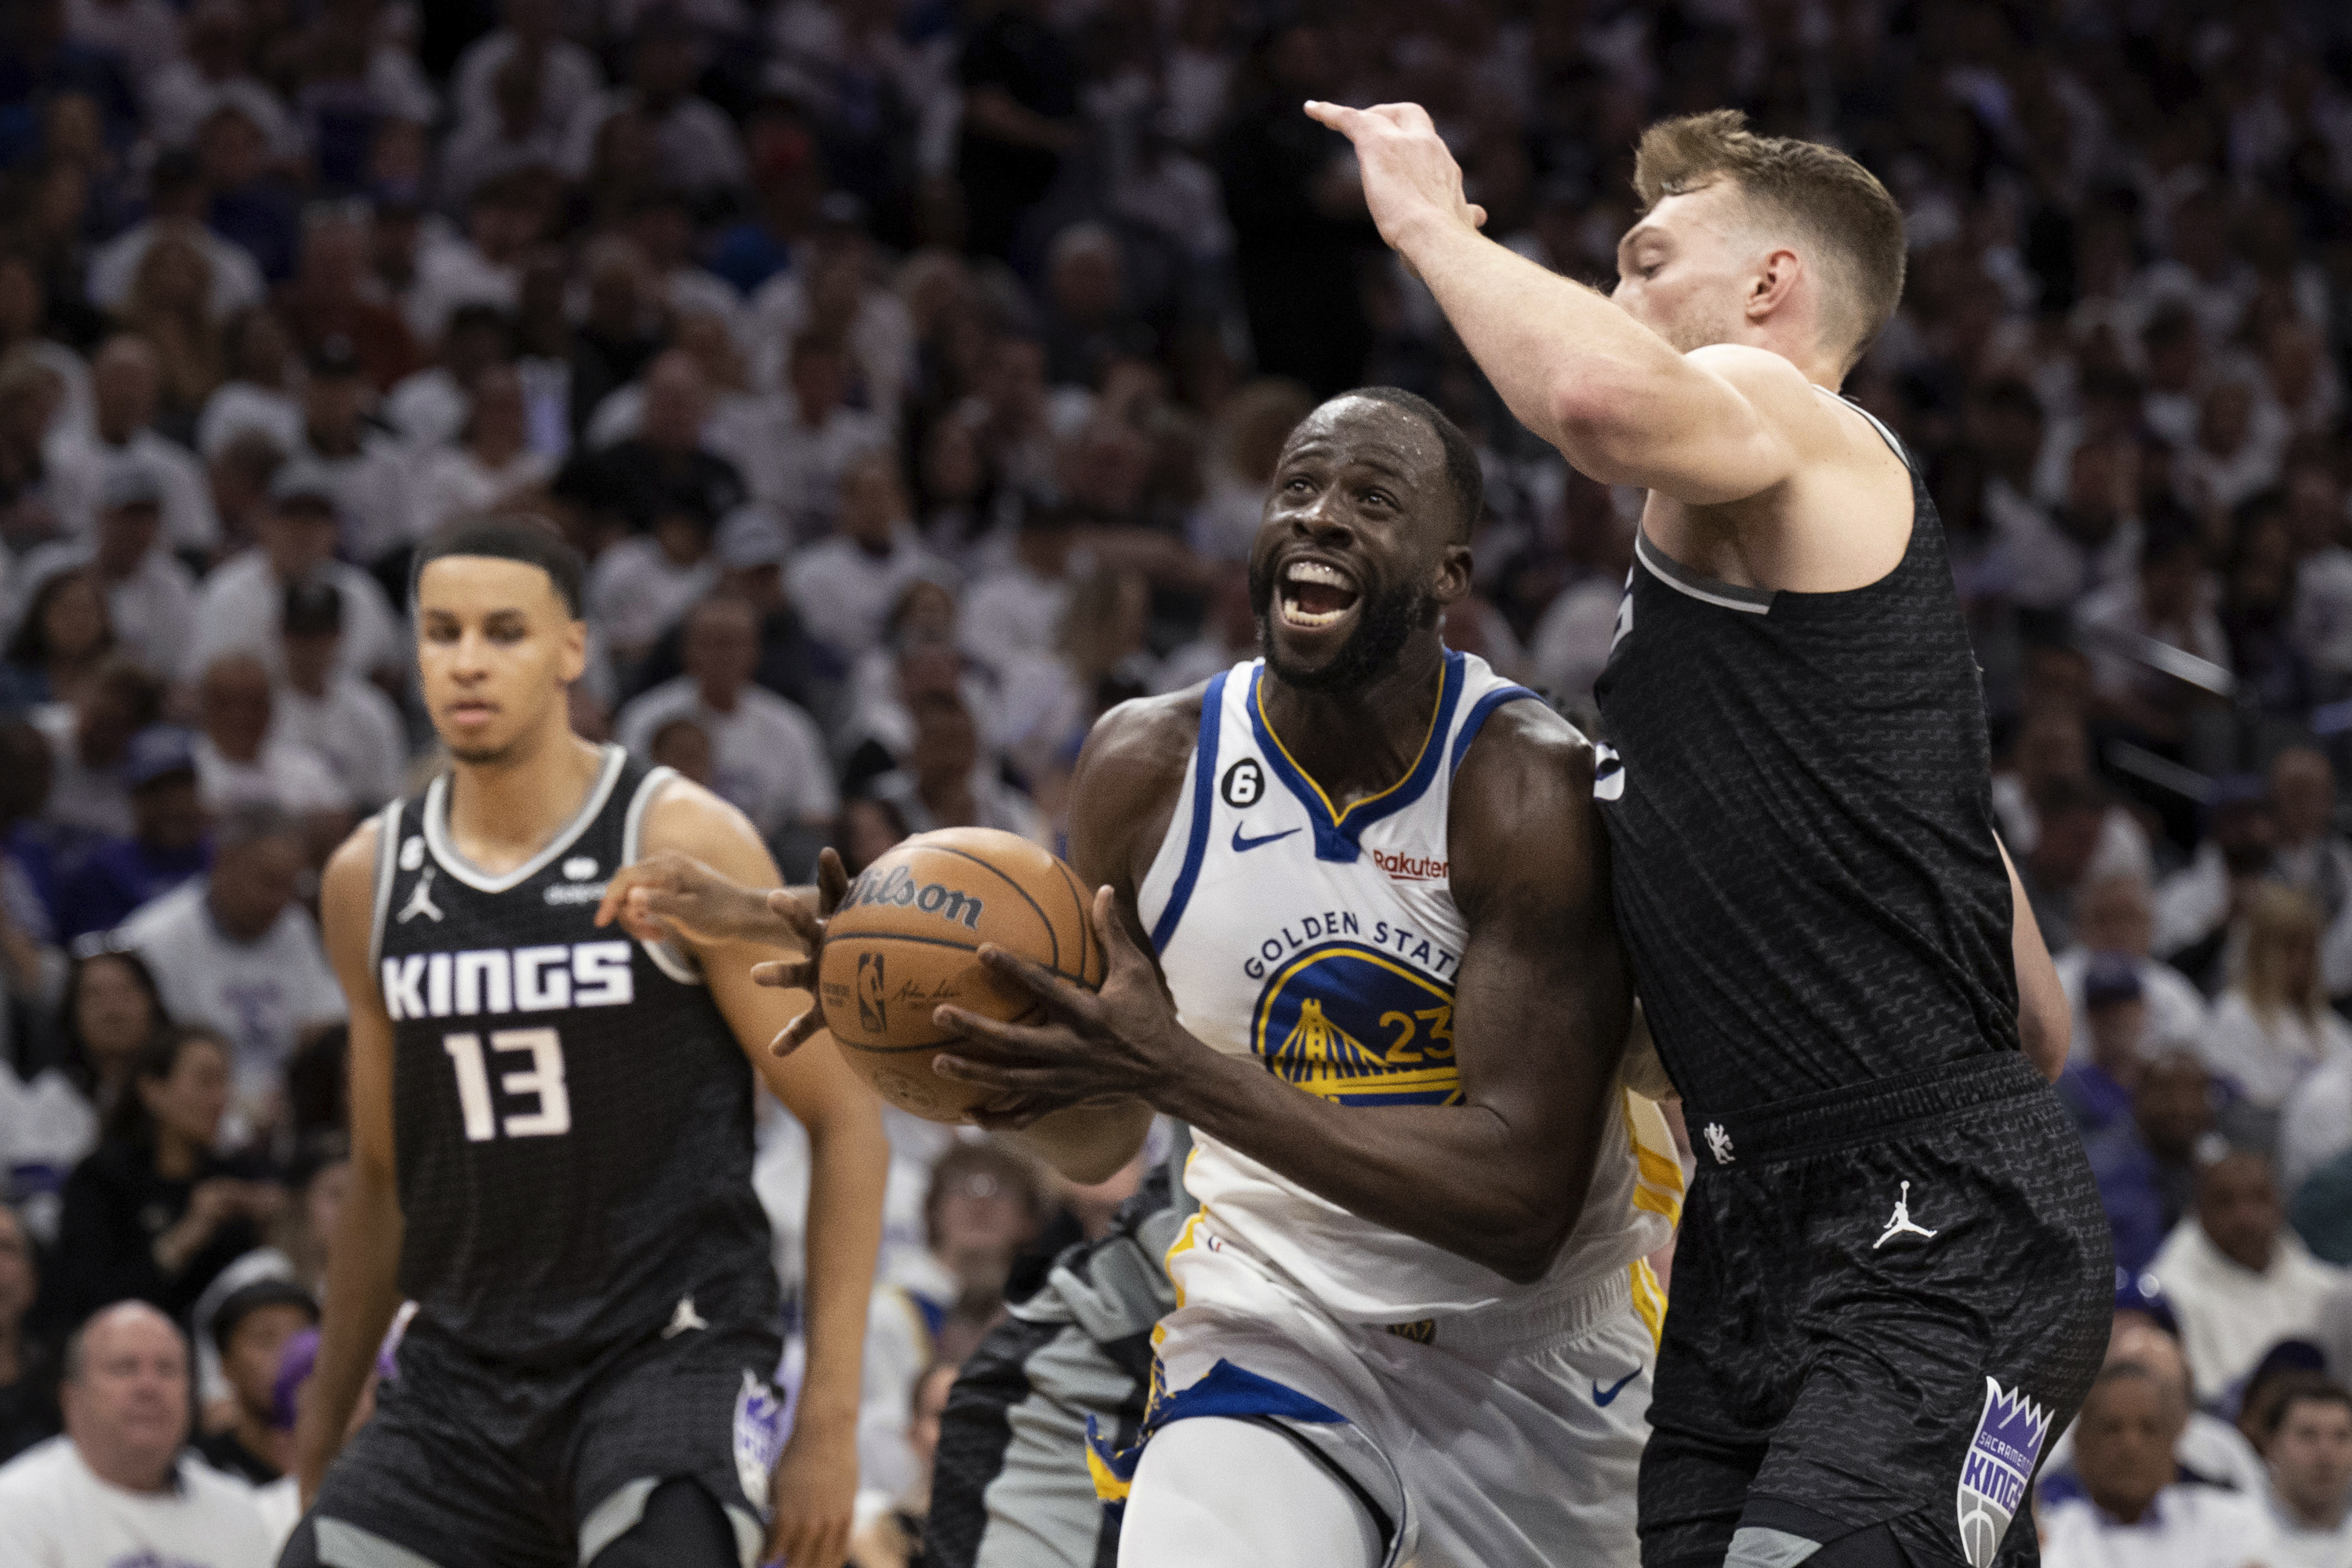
x=1315, y=595
x=470, y=712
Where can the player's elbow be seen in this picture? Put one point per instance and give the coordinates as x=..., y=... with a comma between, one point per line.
x=1522, y=1247
x=1587, y=422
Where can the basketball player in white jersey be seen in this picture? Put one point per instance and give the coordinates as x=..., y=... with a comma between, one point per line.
x=1355, y=902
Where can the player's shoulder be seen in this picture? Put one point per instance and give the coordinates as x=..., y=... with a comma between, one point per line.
x=1523, y=742
x=351, y=868
x=1144, y=740
x=685, y=816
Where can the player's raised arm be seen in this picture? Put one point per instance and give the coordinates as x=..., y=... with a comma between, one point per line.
x=364, y=1262
x=816, y=1478
x=1543, y=1007
x=1622, y=404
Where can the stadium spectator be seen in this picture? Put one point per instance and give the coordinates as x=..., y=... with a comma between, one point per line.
x=64, y=639
x=2308, y=1445
x=945, y=779
x=2135, y=1512
x=2273, y=1027
x=116, y=1487
x=2098, y=1090
x=2312, y=856
x=2147, y=1166
x=2238, y=1278
x=234, y=950
x=151, y=597
x=333, y=297
x=175, y=209
x=844, y=588
x=768, y=756
x=239, y=607
x=125, y=382
x=242, y=760
x=795, y=447
x=322, y=708
x=115, y=875
x=250, y=1330
x=2196, y=906
x=156, y=1213
x=490, y=463
x=28, y=1406
x=2115, y=917
x=2051, y=743
x=111, y=1011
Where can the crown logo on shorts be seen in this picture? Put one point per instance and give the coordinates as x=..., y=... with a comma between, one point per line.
x=2015, y=1421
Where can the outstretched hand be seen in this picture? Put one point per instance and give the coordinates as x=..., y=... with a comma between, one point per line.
x=1410, y=178
x=670, y=894
x=1122, y=1042
x=807, y=929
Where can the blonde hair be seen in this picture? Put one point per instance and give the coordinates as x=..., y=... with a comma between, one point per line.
x=1832, y=199
x=2276, y=917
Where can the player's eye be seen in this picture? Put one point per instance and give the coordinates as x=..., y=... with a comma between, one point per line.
x=1297, y=484
x=1379, y=498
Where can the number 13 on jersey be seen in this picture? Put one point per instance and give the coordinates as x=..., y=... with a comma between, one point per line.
x=540, y=1083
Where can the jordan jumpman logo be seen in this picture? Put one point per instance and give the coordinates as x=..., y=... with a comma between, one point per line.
x=420, y=900
x=1901, y=1224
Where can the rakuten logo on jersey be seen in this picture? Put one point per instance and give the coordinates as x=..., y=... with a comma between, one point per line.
x=508, y=980
x=1403, y=868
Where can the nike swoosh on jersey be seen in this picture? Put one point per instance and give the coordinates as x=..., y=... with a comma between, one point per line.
x=1609, y=1397
x=1242, y=843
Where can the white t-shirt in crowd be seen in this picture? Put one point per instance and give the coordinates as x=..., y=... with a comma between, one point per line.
x=239, y=407
x=353, y=727
x=261, y=994
x=240, y=605
x=2265, y=1061
x=2173, y=1010
x=1012, y=611
x=55, y=1513
x=2293, y=1545
x=284, y=773
x=768, y=758
x=844, y=591
x=2230, y=1316
x=2186, y=1527
x=635, y=591
x=79, y=463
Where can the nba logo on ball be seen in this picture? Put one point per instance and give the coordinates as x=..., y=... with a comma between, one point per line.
x=1999, y=1462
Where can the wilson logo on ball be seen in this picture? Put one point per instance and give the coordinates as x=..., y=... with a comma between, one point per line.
x=900, y=889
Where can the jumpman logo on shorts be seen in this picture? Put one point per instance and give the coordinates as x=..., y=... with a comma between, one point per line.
x=685, y=1320
x=1901, y=1224
x=420, y=900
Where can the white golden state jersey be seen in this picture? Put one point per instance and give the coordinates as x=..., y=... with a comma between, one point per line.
x=1324, y=942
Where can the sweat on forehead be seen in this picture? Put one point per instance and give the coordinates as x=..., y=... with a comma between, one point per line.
x=1411, y=429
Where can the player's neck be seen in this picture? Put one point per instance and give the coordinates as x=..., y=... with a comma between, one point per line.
x=1359, y=741
x=503, y=813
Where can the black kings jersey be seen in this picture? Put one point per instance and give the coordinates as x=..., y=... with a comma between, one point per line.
x=1798, y=796
x=571, y=1114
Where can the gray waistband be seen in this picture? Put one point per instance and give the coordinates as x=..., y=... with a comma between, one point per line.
x=1562, y=1315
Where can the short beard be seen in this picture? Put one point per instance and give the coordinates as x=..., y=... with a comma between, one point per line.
x=1388, y=620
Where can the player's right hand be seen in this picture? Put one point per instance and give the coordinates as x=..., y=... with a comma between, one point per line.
x=808, y=930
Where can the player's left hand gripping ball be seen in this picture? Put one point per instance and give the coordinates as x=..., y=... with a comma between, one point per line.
x=1118, y=1043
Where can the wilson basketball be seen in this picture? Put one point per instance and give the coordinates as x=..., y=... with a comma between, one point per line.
x=907, y=940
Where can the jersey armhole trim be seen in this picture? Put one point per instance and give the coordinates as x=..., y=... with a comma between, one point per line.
x=1707, y=590
x=1480, y=711
x=1204, y=783
x=387, y=849
x=666, y=959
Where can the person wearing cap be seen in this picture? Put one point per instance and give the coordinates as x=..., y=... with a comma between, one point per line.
x=117, y=1487
x=251, y=1328
x=124, y=385
x=2098, y=1091
x=241, y=602
x=366, y=465
x=348, y=721
x=845, y=586
x=166, y=847
x=150, y=595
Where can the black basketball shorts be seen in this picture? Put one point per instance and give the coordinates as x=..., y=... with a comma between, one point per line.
x=1885, y=1304
x=469, y=1462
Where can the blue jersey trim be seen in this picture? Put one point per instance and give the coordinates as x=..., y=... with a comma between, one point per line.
x=1204, y=802
x=1336, y=833
x=1479, y=712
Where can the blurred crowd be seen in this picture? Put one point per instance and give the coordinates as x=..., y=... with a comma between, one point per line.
x=912, y=373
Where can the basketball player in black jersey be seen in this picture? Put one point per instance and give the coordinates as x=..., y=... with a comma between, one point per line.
x=1893, y=1284
x=552, y=1151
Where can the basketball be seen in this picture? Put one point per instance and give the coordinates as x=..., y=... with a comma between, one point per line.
x=907, y=939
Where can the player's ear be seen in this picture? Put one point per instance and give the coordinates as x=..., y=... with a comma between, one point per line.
x=1773, y=282
x=1449, y=584
x=575, y=651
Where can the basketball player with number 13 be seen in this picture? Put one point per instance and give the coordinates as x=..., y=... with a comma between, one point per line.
x=1894, y=1282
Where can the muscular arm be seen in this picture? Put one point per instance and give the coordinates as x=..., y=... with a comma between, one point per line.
x=363, y=1263
x=2045, y=1022
x=1706, y=428
x=849, y=1155
x=1542, y=1007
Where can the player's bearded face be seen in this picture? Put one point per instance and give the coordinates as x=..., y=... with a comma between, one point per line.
x=1391, y=613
